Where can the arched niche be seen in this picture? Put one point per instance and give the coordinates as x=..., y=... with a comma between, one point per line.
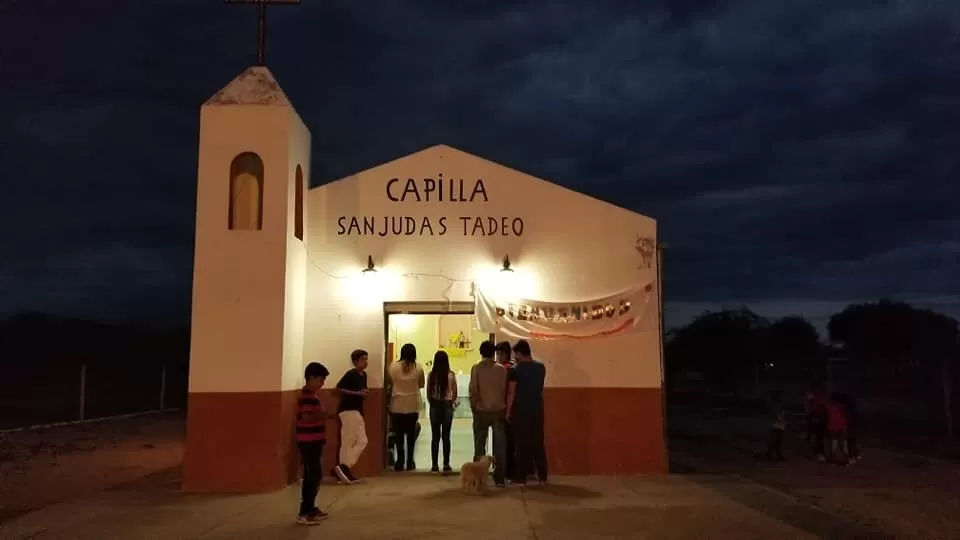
x=246, y=193
x=298, y=203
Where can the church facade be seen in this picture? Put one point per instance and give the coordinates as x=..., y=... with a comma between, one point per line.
x=285, y=275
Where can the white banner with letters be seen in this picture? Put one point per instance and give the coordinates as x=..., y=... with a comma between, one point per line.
x=633, y=309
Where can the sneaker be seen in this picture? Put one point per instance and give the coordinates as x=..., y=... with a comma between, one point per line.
x=340, y=471
x=435, y=469
x=311, y=519
x=447, y=469
x=319, y=514
x=411, y=466
x=353, y=479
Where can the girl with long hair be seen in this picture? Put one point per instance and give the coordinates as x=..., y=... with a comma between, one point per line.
x=442, y=395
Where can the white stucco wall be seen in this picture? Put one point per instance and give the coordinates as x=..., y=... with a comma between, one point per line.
x=296, y=260
x=249, y=285
x=573, y=248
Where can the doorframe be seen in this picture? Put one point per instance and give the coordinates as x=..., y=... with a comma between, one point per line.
x=411, y=308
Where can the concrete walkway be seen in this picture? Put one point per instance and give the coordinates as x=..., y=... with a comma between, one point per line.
x=419, y=506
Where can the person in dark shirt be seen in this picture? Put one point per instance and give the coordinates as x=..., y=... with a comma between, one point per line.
x=525, y=411
x=853, y=423
x=817, y=421
x=353, y=431
x=311, y=433
x=504, y=358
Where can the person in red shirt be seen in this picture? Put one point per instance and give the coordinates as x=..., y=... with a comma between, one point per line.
x=311, y=432
x=837, y=429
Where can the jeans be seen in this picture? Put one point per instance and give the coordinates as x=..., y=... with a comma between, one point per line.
x=511, y=463
x=441, y=420
x=405, y=434
x=531, y=454
x=852, y=448
x=837, y=446
x=817, y=429
x=311, y=454
x=483, y=422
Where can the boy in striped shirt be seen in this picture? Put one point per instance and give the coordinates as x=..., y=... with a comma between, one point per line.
x=311, y=435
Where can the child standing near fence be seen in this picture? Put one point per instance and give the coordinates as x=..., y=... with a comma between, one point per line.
x=779, y=425
x=853, y=423
x=817, y=422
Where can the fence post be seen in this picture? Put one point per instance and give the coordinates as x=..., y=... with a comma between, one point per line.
x=83, y=391
x=163, y=385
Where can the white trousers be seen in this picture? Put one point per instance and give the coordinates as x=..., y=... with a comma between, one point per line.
x=353, y=437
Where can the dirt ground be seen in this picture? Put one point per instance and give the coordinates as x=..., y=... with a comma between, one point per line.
x=904, y=495
x=895, y=494
x=45, y=466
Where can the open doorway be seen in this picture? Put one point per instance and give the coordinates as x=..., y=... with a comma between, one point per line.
x=453, y=332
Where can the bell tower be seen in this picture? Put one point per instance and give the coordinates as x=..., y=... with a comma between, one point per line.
x=246, y=348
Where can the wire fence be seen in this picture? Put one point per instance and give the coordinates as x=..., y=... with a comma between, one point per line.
x=52, y=394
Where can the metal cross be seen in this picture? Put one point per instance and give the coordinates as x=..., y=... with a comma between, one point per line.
x=262, y=22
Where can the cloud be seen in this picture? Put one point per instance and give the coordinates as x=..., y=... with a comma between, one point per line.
x=792, y=152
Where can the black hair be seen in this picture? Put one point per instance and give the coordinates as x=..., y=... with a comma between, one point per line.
x=315, y=369
x=356, y=355
x=487, y=349
x=408, y=353
x=522, y=347
x=504, y=347
x=439, y=377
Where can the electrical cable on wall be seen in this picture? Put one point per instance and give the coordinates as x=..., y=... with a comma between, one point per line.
x=451, y=281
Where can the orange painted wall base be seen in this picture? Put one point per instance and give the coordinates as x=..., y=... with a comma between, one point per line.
x=240, y=442
x=604, y=431
x=588, y=431
x=243, y=442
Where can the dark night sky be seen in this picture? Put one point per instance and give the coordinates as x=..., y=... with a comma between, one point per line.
x=799, y=155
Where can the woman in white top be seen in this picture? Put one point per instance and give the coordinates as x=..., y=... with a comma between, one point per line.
x=407, y=379
x=442, y=396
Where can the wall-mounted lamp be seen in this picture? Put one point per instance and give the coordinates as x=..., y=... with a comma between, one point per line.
x=370, y=266
x=506, y=264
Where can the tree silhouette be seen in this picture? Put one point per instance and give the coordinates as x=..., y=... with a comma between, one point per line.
x=724, y=346
x=898, y=343
x=795, y=345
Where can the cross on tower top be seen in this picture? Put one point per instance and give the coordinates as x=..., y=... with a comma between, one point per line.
x=262, y=22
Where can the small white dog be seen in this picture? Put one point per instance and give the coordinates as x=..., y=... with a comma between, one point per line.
x=474, y=474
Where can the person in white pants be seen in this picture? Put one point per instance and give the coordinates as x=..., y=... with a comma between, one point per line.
x=353, y=430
